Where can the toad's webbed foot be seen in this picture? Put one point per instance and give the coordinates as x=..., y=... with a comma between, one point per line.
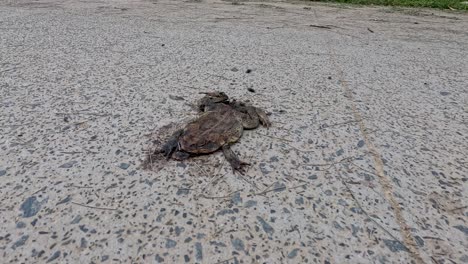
x=236, y=164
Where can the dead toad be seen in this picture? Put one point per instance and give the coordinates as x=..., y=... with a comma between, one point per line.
x=221, y=125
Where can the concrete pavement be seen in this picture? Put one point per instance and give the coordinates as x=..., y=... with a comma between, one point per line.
x=366, y=161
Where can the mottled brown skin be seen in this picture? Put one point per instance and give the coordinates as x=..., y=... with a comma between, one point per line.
x=221, y=125
x=211, y=131
x=211, y=99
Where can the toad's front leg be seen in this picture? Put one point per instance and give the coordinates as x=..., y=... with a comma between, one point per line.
x=171, y=145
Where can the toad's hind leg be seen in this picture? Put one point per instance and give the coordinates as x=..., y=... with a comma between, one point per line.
x=236, y=164
x=171, y=145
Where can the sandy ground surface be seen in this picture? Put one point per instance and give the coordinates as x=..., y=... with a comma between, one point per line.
x=366, y=161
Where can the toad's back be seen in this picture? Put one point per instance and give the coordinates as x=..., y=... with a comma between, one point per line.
x=211, y=131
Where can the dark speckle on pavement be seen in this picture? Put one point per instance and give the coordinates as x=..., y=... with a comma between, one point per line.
x=31, y=206
x=462, y=228
x=198, y=251
x=68, y=165
x=65, y=200
x=20, y=242
x=170, y=243
x=266, y=227
x=279, y=186
x=76, y=220
x=158, y=258
x=293, y=253
x=20, y=225
x=250, y=203
x=360, y=143
x=237, y=244
x=395, y=246
x=236, y=198
x=124, y=166
x=54, y=256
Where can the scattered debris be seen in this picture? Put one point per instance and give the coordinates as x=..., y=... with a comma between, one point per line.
x=176, y=98
x=94, y=207
x=66, y=200
x=319, y=26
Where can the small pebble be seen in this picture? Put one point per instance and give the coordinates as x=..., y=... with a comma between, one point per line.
x=20, y=225
x=158, y=259
x=124, y=166
x=30, y=207
x=293, y=253
x=170, y=243
x=68, y=164
x=55, y=256
x=198, y=251
x=236, y=198
x=395, y=246
x=20, y=242
x=266, y=227
x=360, y=143
x=237, y=244
x=250, y=203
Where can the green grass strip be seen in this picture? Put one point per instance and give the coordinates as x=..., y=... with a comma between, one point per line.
x=441, y=4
